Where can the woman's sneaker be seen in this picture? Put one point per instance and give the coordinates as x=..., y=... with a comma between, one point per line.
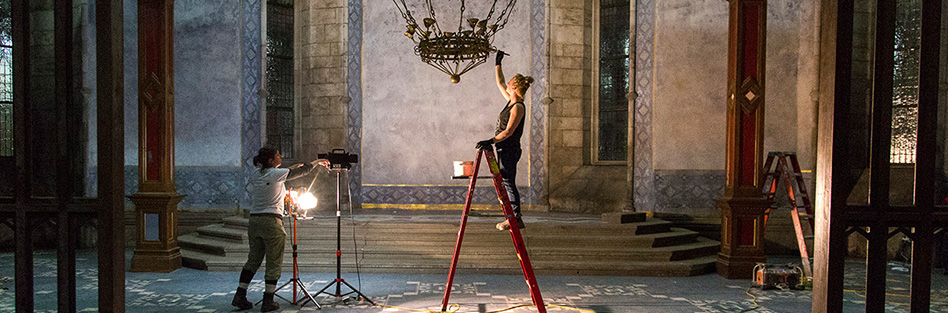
x=505, y=225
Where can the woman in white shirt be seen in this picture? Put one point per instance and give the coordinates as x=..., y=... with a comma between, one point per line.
x=265, y=230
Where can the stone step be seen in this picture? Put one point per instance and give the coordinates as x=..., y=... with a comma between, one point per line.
x=650, y=248
x=224, y=233
x=210, y=246
x=689, y=267
x=451, y=228
x=675, y=236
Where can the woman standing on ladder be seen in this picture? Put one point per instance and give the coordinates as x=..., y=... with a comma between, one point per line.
x=507, y=136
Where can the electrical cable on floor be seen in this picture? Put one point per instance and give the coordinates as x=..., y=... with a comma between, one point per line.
x=456, y=307
x=355, y=243
x=756, y=306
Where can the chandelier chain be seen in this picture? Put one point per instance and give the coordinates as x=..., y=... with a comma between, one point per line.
x=461, y=18
x=406, y=14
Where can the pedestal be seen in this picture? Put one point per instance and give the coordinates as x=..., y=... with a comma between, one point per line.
x=156, y=246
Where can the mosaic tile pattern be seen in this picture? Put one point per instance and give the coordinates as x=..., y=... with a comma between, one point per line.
x=189, y=290
x=688, y=192
x=643, y=180
x=354, y=65
x=250, y=107
x=537, y=191
x=431, y=195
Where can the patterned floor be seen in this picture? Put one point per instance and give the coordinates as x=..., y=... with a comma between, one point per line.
x=188, y=290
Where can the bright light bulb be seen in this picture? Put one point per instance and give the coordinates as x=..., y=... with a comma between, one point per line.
x=307, y=201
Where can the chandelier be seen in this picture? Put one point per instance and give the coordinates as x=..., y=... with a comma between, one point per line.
x=454, y=52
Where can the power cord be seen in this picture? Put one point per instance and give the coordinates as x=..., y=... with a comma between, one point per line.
x=756, y=305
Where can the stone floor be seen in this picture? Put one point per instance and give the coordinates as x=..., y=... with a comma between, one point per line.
x=188, y=290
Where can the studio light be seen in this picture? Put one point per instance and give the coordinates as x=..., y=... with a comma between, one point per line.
x=307, y=200
x=454, y=52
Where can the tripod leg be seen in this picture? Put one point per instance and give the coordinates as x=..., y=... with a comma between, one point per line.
x=322, y=291
x=359, y=293
x=308, y=298
x=281, y=287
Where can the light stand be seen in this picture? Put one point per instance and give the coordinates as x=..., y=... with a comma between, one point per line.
x=298, y=287
x=338, y=282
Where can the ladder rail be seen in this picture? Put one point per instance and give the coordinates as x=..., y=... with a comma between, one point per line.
x=514, y=232
x=795, y=216
x=457, y=245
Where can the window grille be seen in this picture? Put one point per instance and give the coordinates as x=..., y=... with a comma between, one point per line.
x=612, y=110
x=280, y=116
x=905, y=81
x=6, y=79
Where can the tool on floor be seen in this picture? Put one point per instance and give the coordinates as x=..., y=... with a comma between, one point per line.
x=787, y=167
x=340, y=161
x=488, y=153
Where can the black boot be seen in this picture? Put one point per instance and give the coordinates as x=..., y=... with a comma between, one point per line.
x=268, y=303
x=240, y=300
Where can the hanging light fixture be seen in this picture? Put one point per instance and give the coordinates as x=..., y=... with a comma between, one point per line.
x=454, y=52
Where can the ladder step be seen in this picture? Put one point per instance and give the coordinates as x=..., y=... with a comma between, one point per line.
x=804, y=215
x=807, y=237
x=474, y=214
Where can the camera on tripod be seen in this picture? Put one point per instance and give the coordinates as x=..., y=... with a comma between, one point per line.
x=340, y=158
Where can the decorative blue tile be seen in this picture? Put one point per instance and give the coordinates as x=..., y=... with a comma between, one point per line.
x=643, y=180
x=250, y=113
x=354, y=65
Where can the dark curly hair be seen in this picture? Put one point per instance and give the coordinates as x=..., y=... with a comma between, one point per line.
x=264, y=155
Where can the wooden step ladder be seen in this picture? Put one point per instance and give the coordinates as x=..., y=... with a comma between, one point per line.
x=514, y=231
x=787, y=167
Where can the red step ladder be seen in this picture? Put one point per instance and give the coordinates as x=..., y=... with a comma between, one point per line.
x=787, y=167
x=514, y=231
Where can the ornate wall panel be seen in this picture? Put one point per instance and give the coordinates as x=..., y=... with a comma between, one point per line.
x=644, y=180
x=354, y=111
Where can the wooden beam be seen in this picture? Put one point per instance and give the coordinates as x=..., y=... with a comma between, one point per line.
x=23, y=258
x=925, y=150
x=110, y=138
x=65, y=133
x=835, y=100
x=879, y=156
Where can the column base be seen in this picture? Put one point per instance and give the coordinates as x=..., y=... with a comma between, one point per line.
x=737, y=267
x=160, y=261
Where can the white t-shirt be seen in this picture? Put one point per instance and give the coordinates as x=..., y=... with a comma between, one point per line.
x=267, y=190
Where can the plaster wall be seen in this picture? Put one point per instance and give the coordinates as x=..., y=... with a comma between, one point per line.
x=415, y=122
x=207, y=83
x=691, y=82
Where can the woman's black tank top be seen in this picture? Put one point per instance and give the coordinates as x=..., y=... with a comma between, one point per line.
x=502, y=120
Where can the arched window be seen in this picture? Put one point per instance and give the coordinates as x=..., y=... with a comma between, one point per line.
x=6, y=80
x=908, y=32
x=280, y=113
x=610, y=106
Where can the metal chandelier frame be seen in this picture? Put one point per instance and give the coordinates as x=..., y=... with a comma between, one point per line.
x=454, y=52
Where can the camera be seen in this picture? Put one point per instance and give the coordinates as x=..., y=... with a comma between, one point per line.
x=340, y=158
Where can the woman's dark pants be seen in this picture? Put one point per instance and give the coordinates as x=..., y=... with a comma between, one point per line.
x=508, y=158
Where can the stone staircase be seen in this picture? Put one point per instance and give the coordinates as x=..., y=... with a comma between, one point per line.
x=589, y=247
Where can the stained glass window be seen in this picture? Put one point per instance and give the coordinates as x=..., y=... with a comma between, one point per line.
x=280, y=117
x=905, y=81
x=613, y=106
x=6, y=79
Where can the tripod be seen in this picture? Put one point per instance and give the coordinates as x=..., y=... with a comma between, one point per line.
x=298, y=287
x=338, y=282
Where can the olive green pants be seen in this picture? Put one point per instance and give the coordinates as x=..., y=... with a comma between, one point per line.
x=267, y=239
